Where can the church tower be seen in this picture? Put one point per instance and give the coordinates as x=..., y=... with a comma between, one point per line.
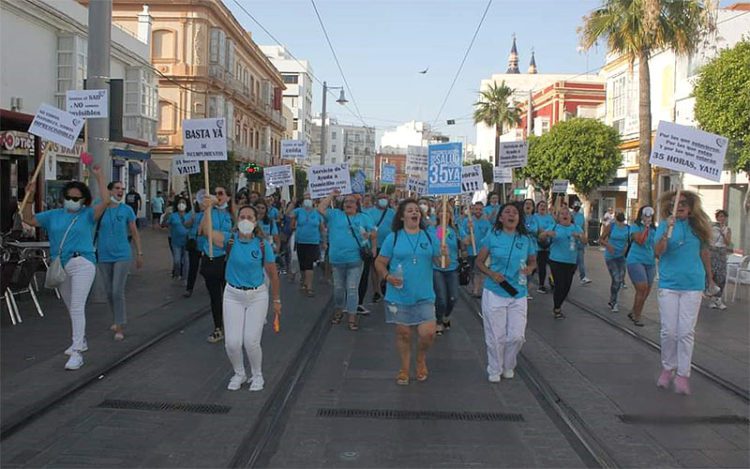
x=532, y=64
x=513, y=58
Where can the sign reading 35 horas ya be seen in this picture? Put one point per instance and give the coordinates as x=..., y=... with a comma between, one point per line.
x=471, y=179
x=689, y=150
x=444, y=168
x=205, y=139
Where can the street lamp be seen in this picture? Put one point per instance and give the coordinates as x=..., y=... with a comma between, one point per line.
x=342, y=100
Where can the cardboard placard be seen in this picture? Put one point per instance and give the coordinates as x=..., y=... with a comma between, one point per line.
x=471, y=179
x=185, y=167
x=689, y=150
x=56, y=125
x=278, y=176
x=502, y=175
x=388, y=174
x=293, y=149
x=416, y=161
x=416, y=185
x=88, y=104
x=560, y=186
x=205, y=139
x=513, y=154
x=358, y=182
x=324, y=179
x=444, y=168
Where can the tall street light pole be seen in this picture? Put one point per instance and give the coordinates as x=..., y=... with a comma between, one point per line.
x=342, y=100
x=97, y=78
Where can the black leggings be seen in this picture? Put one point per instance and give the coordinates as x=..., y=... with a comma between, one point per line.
x=194, y=257
x=213, y=273
x=563, y=274
x=364, y=279
x=542, y=259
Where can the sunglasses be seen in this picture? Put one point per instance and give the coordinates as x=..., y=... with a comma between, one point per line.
x=682, y=203
x=73, y=198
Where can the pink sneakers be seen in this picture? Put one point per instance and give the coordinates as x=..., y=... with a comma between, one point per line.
x=682, y=385
x=664, y=378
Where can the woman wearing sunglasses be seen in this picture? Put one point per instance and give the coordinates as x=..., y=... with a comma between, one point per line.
x=71, y=238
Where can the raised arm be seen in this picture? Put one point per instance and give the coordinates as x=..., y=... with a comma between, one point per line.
x=103, y=192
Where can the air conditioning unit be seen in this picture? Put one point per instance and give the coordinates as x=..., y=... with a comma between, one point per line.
x=16, y=103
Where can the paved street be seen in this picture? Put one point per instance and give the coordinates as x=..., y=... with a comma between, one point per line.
x=168, y=406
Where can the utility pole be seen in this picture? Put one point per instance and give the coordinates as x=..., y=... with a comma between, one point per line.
x=323, y=126
x=97, y=78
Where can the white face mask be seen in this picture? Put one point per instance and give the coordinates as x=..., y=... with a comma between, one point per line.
x=424, y=207
x=307, y=203
x=72, y=206
x=181, y=207
x=382, y=203
x=222, y=206
x=115, y=200
x=246, y=226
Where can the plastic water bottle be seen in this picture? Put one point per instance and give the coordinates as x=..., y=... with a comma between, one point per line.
x=399, y=274
x=521, y=274
x=572, y=243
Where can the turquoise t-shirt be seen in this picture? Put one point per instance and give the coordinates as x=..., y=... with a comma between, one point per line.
x=112, y=245
x=680, y=265
x=193, y=230
x=222, y=221
x=273, y=212
x=642, y=254
x=481, y=227
x=414, y=253
x=269, y=229
x=177, y=230
x=618, y=238
x=308, y=225
x=245, y=264
x=579, y=220
x=344, y=247
x=507, y=251
x=384, y=226
x=80, y=239
x=544, y=222
x=559, y=250
x=157, y=205
x=451, y=242
x=490, y=212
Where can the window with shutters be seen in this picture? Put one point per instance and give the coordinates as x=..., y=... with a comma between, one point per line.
x=71, y=65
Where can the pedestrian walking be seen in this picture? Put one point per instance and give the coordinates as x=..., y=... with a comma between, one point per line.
x=493, y=207
x=579, y=219
x=71, y=237
x=562, y=258
x=309, y=233
x=406, y=261
x=382, y=217
x=684, y=270
x=721, y=245
x=616, y=240
x=192, y=248
x=157, y=210
x=133, y=200
x=641, y=260
x=353, y=235
x=480, y=226
x=268, y=224
x=213, y=262
x=114, y=253
x=445, y=279
x=178, y=232
x=245, y=302
x=532, y=230
x=545, y=222
x=512, y=255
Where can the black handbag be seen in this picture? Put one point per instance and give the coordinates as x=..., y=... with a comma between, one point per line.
x=364, y=253
x=464, y=267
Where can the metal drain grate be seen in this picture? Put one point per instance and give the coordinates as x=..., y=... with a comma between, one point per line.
x=684, y=419
x=165, y=406
x=390, y=414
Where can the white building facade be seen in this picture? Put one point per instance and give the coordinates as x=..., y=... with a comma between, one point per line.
x=350, y=144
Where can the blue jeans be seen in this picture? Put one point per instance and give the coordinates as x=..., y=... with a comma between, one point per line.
x=346, y=286
x=446, y=293
x=581, y=260
x=180, y=261
x=616, y=269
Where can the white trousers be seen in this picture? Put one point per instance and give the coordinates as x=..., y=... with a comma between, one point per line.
x=75, y=291
x=244, y=317
x=678, y=311
x=504, y=330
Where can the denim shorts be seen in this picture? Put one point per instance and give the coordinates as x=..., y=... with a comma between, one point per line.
x=410, y=315
x=642, y=273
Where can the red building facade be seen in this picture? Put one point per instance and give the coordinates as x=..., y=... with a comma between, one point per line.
x=399, y=161
x=563, y=100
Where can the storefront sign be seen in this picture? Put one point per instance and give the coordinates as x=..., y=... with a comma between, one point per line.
x=471, y=179
x=293, y=149
x=55, y=125
x=502, y=175
x=324, y=179
x=689, y=150
x=513, y=154
x=279, y=176
x=16, y=143
x=205, y=139
x=88, y=104
x=444, y=168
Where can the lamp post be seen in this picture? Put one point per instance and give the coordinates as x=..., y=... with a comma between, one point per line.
x=342, y=100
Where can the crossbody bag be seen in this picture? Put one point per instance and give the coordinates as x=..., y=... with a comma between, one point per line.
x=56, y=272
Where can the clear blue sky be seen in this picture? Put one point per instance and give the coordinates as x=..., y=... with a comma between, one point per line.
x=382, y=44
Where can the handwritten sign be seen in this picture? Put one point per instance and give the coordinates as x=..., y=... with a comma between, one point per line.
x=185, y=167
x=293, y=149
x=689, y=150
x=560, y=186
x=278, y=176
x=444, y=169
x=416, y=185
x=324, y=179
x=502, y=175
x=388, y=174
x=513, y=154
x=205, y=139
x=471, y=179
x=416, y=161
x=88, y=104
x=56, y=125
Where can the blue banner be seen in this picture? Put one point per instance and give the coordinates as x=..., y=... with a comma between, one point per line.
x=444, y=162
x=388, y=174
x=358, y=183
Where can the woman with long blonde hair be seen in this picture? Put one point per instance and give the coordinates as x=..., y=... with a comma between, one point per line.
x=684, y=270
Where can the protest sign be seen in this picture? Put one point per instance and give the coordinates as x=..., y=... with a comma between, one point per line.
x=358, y=182
x=416, y=161
x=560, y=186
x=293, y=149
x=388, y=174
x=185, y=167
x=56, y=125
x=278, y=176
x=513, y=154
x=502, y=175
x=88, y=104
x=416, y=185
x=326, y=178
x=471, y=179
x=205, y=139
x=689, y=150
x=444, y=168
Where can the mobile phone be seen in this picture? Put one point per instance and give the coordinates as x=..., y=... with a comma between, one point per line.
x=509, y=288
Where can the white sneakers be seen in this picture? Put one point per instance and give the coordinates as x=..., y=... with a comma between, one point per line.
x=257, y=383
x=85, y=348
x=493, y=378
x=509, y=374
x=75, y=361
x=236, y=382
x=717, y=303
x=585, y=281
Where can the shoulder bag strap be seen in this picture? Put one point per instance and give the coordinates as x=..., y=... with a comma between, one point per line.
x=382, y=216
x=65, y=236
x=351, y=228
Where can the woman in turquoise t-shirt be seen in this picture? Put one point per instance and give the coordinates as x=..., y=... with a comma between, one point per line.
x=642, y=260
x=308, y=227
x=544, y=222
x=512, y=254
x=563, y=253
x=178, y=231
x=684, y=270
x=445, y=279
x=268, y=224
x=615, y=239
x=477, y=225
x=405, y=262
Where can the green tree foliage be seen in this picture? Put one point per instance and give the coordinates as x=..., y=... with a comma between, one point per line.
x=722, y=102
x=584, y=151
x=220, y=173
x=487, y=171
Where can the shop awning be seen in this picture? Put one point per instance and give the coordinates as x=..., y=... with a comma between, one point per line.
x=134, y=168
x=130, y=154
x=155, y=172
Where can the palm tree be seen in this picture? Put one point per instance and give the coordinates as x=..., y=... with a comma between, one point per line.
x=493, y=110
x=636, y=29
